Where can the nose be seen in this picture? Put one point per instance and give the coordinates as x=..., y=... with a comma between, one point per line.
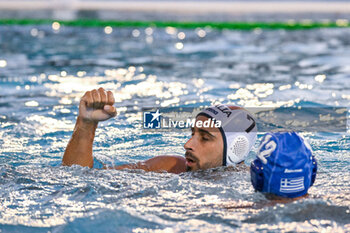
x=189, y=144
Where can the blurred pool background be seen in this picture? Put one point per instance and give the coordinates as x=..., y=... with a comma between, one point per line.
x=44, y=70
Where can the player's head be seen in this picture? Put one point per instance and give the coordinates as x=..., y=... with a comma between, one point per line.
x=284, y=166
x=212, y=146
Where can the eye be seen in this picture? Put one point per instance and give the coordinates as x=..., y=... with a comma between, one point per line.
x=192, y=131
x=205, y=139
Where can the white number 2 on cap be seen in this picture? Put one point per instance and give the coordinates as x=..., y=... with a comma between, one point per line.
x=269, y=148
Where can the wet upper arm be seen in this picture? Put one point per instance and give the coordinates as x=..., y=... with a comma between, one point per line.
x=172, y=164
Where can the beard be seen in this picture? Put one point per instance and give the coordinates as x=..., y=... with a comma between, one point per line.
x=193, y=159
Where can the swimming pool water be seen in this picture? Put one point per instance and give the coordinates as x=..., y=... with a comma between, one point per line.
x=44, y=72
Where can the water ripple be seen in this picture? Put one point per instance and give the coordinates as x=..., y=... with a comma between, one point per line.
x=47, y=72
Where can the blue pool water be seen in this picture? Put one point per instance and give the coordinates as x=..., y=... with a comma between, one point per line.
x=44, y=72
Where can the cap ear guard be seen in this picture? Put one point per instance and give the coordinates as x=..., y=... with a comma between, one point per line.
x=266, y=147
x=240, y=134
x=314, y=170
x=257, y=175
x=237, y=151
x=313, y=161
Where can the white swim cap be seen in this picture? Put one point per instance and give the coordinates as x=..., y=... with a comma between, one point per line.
x=238, y=130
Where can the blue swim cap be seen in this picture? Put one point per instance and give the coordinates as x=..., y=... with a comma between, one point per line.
x=284, y=166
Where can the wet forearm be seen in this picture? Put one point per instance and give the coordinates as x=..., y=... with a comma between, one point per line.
x=79, y=148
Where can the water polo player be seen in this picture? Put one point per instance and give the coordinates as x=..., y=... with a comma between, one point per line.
x=284, y=167
x=208, y=147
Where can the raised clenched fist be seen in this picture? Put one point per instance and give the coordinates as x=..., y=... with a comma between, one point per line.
x=97, y=105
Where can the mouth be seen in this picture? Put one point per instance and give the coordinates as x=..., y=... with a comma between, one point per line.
x=190, y=160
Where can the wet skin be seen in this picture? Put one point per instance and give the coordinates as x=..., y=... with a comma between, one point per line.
x=203, y=150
